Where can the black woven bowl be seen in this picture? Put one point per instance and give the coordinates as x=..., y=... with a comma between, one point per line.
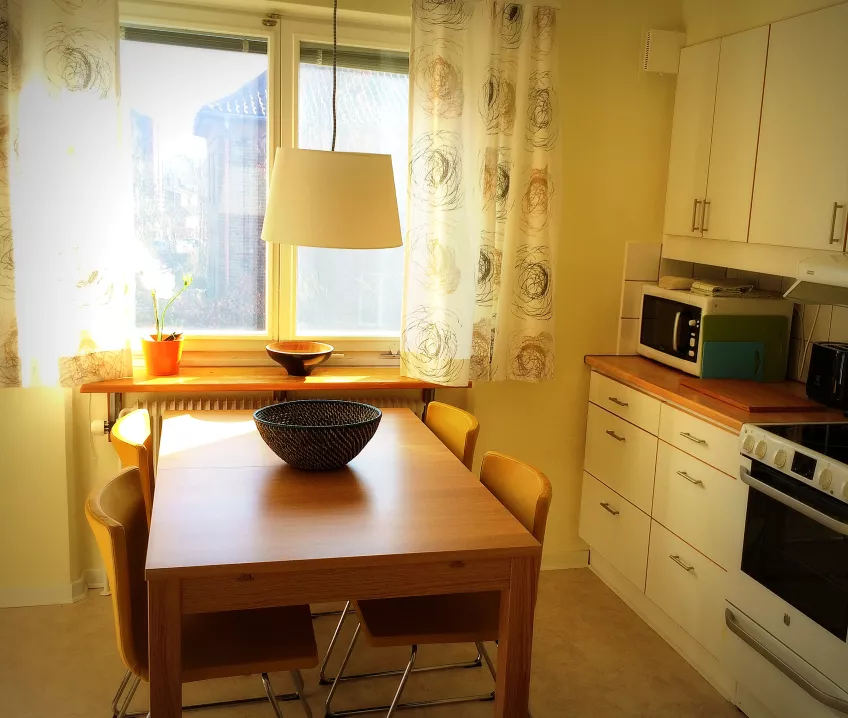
x=317, y=434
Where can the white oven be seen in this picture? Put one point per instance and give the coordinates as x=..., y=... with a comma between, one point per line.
x=787, y=605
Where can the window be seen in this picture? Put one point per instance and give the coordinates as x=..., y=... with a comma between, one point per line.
x=353, y=292
x=198, y=118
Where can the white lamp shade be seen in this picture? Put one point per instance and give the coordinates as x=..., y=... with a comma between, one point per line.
x=341, y=200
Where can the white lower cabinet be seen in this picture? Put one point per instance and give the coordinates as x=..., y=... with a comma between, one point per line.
x=702, y=505
x=621, y=455
x=615, y=528
x=663, y=512
x=687, y=586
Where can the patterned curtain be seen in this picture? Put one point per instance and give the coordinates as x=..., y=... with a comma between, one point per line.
x=484, y=186
x=65, y=216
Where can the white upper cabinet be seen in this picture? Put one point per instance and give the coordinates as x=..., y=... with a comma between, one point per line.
x=689, y=159
x=714, y=137
x=801, y=187
x=736, y=126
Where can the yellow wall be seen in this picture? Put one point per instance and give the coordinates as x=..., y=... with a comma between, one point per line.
x=36, y=476
x=706, y=19
x=615, y=138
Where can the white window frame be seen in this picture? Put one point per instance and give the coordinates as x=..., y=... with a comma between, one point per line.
x=294, y=27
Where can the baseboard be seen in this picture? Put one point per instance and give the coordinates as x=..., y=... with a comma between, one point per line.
x=94, y=577
x=19, y=596
x=693, y=652
x=569, y=559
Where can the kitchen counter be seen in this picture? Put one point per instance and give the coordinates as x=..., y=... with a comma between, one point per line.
x=665, y=383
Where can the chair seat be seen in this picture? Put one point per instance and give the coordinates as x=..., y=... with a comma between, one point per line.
x=237, y=643
x=452, y=618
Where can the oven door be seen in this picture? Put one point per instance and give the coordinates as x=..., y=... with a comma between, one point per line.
x=670, y=328
x=794, y=571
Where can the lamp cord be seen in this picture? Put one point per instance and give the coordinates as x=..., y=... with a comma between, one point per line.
x=335, y=22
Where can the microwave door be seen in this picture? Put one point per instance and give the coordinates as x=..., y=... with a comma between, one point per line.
x=666, y=326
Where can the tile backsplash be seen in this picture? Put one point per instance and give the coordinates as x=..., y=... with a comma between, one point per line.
x=816, y=323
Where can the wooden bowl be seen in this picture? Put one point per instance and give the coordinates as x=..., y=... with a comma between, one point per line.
x=299, y=358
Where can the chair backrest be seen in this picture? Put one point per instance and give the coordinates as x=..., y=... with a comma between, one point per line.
x=117, y=516
x=133, y=441
x=456, y=429
x=524, y=491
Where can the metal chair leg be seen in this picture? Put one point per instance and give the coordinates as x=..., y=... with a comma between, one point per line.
x=481, y=648
x=301, y=691
x=404, y=678
x=322, y=676
x=328, y=710
x=272, y=698
x=121, y=687
x=120, y=708
x=125, y=704
x=323, y=680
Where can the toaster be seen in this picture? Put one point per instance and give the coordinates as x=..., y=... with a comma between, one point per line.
x=827, y=380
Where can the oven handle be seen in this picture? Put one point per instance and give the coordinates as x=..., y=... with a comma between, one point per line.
x=781, y=665
x=799, y=506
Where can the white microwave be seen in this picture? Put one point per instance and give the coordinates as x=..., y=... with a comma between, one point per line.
x=671, y=324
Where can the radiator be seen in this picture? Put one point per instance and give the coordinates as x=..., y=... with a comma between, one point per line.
x=158, y=404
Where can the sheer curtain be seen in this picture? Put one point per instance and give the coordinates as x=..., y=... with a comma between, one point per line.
x=65, y=219
x=484, y=184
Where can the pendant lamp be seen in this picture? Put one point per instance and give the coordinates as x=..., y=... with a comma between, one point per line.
x=340, y=200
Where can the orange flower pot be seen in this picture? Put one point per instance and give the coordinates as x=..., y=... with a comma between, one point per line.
x=162, y=358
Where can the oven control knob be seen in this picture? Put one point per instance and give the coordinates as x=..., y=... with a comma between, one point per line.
x=825, y=479
x=761, y=448
x=748, y=444
x=780, y=459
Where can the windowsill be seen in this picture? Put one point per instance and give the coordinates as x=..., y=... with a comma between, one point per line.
x=255, y=378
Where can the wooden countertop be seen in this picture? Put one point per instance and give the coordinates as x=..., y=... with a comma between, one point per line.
x=664, y=382
x=265, y=378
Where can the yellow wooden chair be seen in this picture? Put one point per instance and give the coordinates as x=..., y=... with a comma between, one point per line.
x=455, y=618
x=215, y=645
x=133, y=442
x=456, y=429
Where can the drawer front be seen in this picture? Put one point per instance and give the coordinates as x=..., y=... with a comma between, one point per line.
x=616, y=529
x=687, y=586
x=622, y=456
x=621, y=400
x=707, y=442
x=702, y=505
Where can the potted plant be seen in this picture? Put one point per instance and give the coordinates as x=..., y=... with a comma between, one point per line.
x=163, y=351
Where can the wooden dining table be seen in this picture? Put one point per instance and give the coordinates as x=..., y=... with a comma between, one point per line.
x=234, y=527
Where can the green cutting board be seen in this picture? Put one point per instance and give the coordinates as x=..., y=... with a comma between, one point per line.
x=770, y=331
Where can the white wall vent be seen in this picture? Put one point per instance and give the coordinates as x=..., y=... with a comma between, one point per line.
x=662, y=51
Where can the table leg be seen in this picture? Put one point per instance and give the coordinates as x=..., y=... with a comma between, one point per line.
x=165, y=648
x=515, y=643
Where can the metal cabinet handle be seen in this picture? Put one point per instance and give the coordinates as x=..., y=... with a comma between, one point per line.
x=691, y=480
x=695, y=215
x=687, y=435
x=682, y=564
x=782, y=666
x=614, y=512
x=836, y=208
x=704, y=227
x=617, y=401
x=615, y=436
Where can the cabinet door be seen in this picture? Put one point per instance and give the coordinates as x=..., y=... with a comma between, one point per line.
x=689, y=158
x=736, y=127
x=802, y=165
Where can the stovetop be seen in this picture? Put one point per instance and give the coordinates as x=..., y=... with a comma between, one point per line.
x=831, y=439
